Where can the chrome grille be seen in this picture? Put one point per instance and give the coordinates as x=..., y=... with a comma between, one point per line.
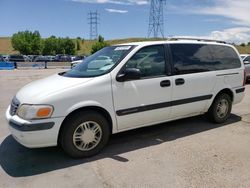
x=14, y=106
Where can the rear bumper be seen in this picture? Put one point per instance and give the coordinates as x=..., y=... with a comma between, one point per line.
x=35, y=133
x=238, y=94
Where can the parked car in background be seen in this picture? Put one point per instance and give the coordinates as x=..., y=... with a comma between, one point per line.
x=39, y=58
x=74, y=63
x=1, y=58
x=27, y=58
x=79, y=57
x=246, y=61
x=17, y=58
x=32, y=57
x=77, y=60
x=44, y=58
x=50, y=58
x=63, y=58
x=5, y=57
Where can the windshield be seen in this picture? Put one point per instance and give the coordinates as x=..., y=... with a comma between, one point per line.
x=242, y=56
x=99, y=63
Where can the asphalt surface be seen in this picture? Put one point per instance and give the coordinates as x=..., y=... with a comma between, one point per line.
x=186, y=153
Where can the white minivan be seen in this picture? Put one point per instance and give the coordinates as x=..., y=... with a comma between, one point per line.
x=132, y=85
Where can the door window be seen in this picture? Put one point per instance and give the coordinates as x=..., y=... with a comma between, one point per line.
x=191, y=58
x=150, y=61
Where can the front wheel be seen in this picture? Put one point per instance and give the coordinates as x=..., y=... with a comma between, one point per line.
x=220, y=109
x=84, y=134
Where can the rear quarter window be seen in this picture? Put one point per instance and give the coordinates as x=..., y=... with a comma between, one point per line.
x=224, y=57
x=195, y=58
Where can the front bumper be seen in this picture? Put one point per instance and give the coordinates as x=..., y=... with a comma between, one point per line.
x=34, y=133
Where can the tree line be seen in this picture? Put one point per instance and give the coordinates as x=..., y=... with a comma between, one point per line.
x=244, y=44
x=31, y=43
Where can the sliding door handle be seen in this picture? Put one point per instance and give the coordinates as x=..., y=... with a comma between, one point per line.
x=165, y=83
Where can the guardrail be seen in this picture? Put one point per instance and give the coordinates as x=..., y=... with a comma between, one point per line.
x=33, y=65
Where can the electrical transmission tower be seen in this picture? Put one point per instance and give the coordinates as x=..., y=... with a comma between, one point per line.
x=156, y=18
x=93, y=18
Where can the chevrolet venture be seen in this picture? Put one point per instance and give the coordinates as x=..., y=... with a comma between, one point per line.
x=124, y=87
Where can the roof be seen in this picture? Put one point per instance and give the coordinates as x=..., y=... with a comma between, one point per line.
x=177, y=41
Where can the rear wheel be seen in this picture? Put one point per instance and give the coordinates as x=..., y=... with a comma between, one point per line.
x=220, y=109
x=84, y=134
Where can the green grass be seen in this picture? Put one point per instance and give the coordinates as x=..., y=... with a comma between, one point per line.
x=243, y=50
x=6, y=47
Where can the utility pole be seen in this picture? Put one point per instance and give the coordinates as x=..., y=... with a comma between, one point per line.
x=93, y=18
x=156, y=19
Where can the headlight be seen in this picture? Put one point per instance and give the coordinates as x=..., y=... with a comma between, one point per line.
x=28, y=112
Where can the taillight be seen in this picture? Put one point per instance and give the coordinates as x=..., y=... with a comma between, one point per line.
x=245, y=77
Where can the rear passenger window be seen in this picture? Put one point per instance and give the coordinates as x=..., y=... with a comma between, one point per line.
x=150, y=61
x=191, y=58
x=224, y=57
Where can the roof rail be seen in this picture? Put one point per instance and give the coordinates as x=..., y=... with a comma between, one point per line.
x=197, y=39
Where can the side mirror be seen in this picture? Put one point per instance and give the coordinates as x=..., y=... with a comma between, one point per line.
x=246, y=62
x=129, y=74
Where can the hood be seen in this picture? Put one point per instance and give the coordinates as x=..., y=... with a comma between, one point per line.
x=37, y=91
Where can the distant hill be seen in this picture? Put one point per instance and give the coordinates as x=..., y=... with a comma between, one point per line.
x=6, y=47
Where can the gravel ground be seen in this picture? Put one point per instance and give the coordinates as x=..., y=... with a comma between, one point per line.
x=184, y=153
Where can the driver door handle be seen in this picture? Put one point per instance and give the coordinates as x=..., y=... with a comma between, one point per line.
x=165, y=83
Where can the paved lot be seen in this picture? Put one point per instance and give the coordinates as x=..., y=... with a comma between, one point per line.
x=184, y=153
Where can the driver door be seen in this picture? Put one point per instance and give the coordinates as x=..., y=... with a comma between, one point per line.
x=146, y=100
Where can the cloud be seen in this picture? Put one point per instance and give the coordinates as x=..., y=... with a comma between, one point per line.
x=236, y=35
x=116, y=11
x=237, y=11
x=232, y=35
x=119, y=2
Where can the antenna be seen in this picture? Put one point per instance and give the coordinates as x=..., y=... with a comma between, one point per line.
x=93, y=18
x=156, y=18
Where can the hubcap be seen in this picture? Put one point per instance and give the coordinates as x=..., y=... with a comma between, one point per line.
x=222, y=108
x=87, y=136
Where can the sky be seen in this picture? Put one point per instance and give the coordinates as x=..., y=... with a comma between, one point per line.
x=227, y=20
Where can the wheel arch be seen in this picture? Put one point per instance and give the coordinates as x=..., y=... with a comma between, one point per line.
x=98, y=109
x=225, y=90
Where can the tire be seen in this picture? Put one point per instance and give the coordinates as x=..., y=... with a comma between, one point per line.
x=84, y=134
x=220, y=109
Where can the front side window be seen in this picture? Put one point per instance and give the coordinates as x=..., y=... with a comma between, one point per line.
x=149, y=60
x=99, y=63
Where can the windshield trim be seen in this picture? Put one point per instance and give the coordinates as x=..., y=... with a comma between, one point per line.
x=90, y=76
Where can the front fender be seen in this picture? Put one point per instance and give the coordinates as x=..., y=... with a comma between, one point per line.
x=86, y=104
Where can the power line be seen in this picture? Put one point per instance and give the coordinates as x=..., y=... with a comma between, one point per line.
x=93, y=18
x=156, y=19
